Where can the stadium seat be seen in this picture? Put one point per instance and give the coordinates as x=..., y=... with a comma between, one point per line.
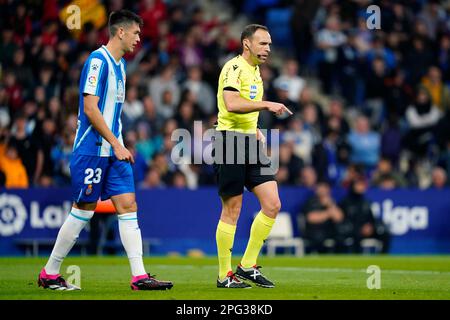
x=278, y=22
x=371, y=243
x=282, y=235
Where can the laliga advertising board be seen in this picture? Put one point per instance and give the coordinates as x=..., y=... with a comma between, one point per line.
x=418, y=220
x=32, y=213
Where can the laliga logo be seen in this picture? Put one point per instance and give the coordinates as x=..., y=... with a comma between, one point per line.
x=401, y=219
x=12, y=215
x=92, y=80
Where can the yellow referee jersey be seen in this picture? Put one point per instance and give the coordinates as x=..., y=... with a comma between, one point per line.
x=237, y=73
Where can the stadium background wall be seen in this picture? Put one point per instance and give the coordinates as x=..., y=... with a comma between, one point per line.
x=183, y=219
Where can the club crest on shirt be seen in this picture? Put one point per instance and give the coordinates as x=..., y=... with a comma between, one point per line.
x=253, y=91
x=120, y=91
x=88, y=190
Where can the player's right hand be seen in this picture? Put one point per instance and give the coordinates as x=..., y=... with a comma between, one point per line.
x=277, y=108
x=123, y=154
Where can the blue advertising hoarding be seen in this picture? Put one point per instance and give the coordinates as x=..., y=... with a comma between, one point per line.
x=186, y=219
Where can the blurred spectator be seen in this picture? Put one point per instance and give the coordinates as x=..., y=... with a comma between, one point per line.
x=23, y=72
x=150, y=117
x=311, y=122
x=179, y=180
x=359, y=222
x=152, y=180
x=364, y=143
x=7, y=46
x=133, y=108
x=165, y=92
x=290, y=79
x=336, y=111
x=12, y=167
x=321, y=215
x=290, y=164
x=54, y=113
x=178, y=20
x=282, y=96
x=202, y=92
x=186, y=114
x=301, y=138
x=29, y=148
x=385, y=174
x=412, y=172
x=61, y=155
x=282, y=175
x=418, y=59
x=440, y=93
x=140, y=164
x=354, y=171
x=443, y=58
x=433, y=16
x=351, y=71
x=45, y=181
x=363, y=36
x=379, y=51
x=375, y=89
x=308, y=96
x=329, y=40
x=422, y=118
x=160, y=164
x=13, y=92
x=439, y=178
x=386, y=181
x=191, y=52
x=331, y=155
x=308, y=177
x=145, y=145
x=398, y=94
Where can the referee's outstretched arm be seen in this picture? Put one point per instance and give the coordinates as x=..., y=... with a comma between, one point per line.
x=235, y=103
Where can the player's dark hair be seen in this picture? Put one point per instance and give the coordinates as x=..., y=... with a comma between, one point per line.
x=250, y=30
x=122, y=18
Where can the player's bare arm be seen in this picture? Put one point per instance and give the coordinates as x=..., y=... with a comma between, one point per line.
x=235, y=103
x=96, y=119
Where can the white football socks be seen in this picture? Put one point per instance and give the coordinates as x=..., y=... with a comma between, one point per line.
x=67, y=237
x=130, y=234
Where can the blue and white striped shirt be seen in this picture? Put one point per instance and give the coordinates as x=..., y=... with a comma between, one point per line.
x=104, y=77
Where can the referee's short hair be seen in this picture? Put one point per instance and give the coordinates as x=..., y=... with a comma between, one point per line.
x=122, y=18
x=250, y=30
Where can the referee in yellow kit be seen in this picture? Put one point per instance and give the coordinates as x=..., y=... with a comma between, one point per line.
x=239, y=99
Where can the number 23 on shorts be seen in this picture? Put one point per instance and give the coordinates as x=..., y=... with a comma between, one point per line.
x=92, y=176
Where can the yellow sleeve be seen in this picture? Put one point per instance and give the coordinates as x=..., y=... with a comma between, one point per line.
x=232, y=77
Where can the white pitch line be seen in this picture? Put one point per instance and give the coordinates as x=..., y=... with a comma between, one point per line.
x=307, y=269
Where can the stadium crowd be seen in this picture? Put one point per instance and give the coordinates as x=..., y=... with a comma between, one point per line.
x=366, y=103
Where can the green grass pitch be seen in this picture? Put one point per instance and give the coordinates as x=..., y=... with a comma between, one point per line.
x=311, y=277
